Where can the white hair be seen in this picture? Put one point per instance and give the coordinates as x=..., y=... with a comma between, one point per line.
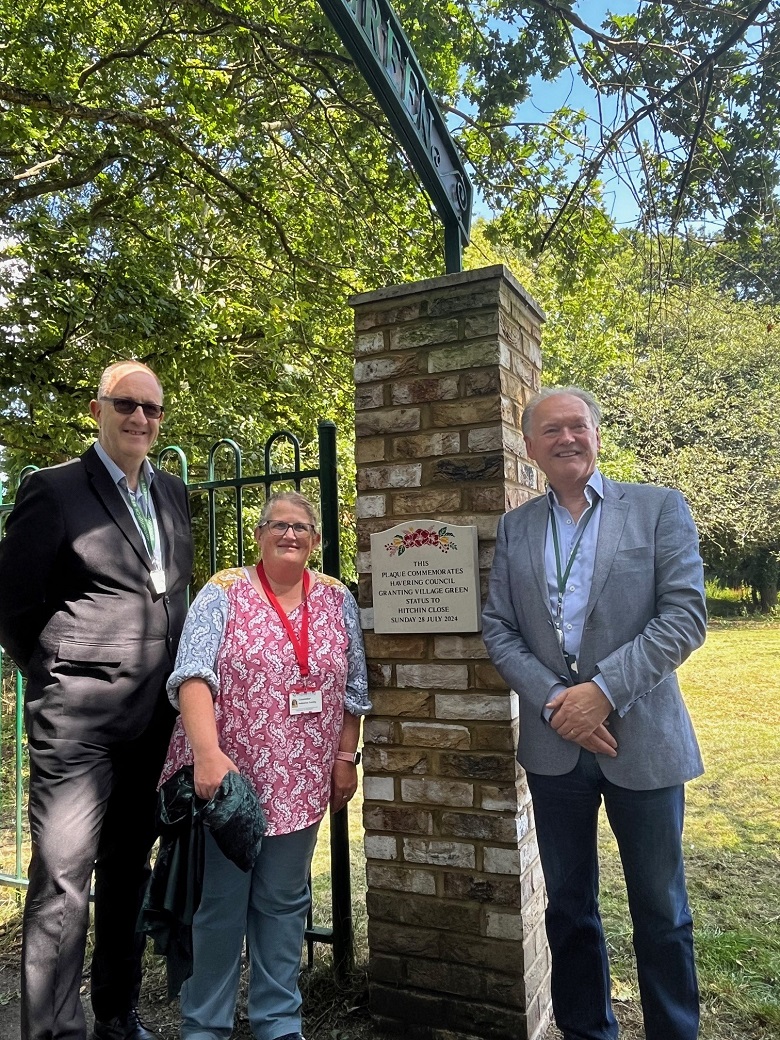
x=107, y=378
x=557, y=391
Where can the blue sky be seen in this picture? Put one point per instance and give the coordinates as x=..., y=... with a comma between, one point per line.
x=569, y=90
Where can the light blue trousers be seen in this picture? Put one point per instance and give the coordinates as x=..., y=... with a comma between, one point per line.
x=269, y=906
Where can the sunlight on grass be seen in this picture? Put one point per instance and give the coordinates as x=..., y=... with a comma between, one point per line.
x=320, y=873
x=732, y=839
x=732, y=846
x=731, y=690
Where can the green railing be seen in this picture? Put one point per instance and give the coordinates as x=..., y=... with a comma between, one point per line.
x=16, y=878
x=230, y=537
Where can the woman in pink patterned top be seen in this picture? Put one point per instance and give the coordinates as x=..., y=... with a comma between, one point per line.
x=271, y=682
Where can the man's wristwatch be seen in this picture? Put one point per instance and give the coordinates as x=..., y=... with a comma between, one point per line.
x=349, y=756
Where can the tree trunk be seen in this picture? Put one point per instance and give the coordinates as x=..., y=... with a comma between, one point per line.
x=767, y=592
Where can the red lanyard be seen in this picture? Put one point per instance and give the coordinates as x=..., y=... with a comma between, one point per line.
x=300, y=646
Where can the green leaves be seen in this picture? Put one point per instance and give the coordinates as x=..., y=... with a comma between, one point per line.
x=205, y=184
x=687, y=372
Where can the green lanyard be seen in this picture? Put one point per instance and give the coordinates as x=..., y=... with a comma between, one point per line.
x=145, y=522
x=563, y=578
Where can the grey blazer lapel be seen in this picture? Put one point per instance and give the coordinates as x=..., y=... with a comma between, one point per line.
x=111, y=497
x=614, y=513
x=536, y=535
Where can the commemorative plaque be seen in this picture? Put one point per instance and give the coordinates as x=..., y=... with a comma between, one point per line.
x=425, y=577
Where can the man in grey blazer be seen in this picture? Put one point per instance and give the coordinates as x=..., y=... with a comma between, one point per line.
x=94, y=569
x=596, y=597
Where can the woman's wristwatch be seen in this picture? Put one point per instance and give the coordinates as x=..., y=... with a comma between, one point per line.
x=349, y=756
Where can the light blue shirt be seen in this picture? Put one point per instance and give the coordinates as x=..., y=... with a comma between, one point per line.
x=577, y=590
x=145, y=502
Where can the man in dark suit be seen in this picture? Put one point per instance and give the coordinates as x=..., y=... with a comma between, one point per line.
x=596, y=597
x=94, y=569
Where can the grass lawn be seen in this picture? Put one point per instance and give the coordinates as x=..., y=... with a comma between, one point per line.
x=732, y=841
x=732, y=845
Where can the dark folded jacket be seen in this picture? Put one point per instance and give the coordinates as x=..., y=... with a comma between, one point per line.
x=237, y=824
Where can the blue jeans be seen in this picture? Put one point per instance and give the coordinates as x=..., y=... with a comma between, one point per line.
x=648, y=828
x=268, y=905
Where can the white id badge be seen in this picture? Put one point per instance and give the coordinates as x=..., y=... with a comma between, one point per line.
x=157, y=577
x=305, y=702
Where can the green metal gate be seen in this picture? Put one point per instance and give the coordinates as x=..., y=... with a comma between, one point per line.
x=226, y=533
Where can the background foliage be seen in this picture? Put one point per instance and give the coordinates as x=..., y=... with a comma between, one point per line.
x=203, y=185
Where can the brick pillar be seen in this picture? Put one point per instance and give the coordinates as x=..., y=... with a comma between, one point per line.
x=455, y=892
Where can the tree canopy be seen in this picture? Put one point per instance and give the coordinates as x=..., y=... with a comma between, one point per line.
x=203, y=184
x=688, y=375
x=178, y=185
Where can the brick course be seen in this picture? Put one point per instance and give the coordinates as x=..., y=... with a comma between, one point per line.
x=455, y=897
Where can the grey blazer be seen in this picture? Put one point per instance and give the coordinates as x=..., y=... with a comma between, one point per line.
x=645, y=615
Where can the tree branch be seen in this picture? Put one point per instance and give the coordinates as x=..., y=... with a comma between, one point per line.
x=260, y=30
x=61, y=106
x=160, y=127
x=692, y=148
x=19, y=194
x=625, y=47
x=127, y=52
x=593, y=167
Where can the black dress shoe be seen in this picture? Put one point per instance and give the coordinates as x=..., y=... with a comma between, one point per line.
x=124, y=1027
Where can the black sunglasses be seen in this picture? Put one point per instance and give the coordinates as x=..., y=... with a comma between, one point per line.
x=126, y=406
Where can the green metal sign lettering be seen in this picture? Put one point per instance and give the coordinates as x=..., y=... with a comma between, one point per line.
x=372, y=33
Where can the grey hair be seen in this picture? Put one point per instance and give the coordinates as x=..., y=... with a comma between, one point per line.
x=107, y=377
x=556, y=391
x=294, y=499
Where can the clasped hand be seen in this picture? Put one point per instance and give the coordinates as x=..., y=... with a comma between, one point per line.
x=579, y=715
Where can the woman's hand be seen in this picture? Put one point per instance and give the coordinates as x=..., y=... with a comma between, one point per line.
x=197, y=714
x=210, y=770
x=343, y=784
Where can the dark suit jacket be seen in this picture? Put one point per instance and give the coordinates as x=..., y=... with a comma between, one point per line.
x=77, y=611
x=645, y=614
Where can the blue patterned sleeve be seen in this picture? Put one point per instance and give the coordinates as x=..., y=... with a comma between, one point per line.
x=356, y=700
x=201, y=639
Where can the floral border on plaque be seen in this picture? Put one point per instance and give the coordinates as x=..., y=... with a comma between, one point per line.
x=419, y=537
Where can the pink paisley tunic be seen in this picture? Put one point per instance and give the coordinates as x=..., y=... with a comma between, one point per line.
x=235, y=641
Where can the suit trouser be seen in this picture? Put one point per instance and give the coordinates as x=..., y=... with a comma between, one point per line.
x=268, y=904
x=648, y=828
x=91, y=808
